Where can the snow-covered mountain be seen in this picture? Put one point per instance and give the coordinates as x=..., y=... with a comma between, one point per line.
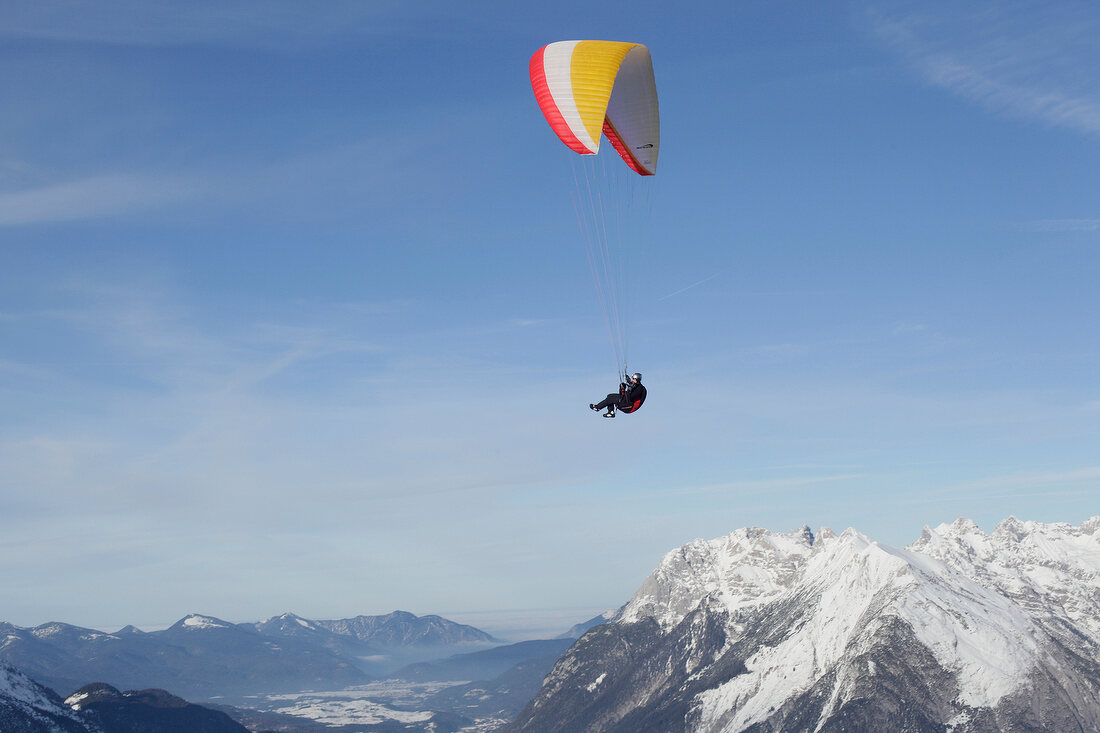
x=758, y=631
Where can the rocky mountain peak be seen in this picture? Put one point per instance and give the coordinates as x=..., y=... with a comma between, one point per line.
x=960, y=629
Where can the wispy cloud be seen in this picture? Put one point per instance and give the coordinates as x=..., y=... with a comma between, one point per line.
x=762, y=485
x=1024, y=59
x=779, y=351
x=379, y=169
x=266, y=23
x=155, y=405
x=1052, y=106
x=1030, y=481
x=926, y=335
x=1062, y=225
x=91, y=198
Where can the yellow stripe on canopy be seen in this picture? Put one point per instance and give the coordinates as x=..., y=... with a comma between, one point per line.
x=593, y=69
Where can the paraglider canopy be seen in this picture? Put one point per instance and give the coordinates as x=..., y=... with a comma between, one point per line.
x=586, y=88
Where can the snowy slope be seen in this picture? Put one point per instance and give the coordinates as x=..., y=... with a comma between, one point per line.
x=28, y=707
x=1050, y=570
x=959, y=631
x=849, y=583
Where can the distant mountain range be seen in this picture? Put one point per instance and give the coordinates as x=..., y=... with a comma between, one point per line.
x=365, y=635
x=202, y=656
x=756, y=631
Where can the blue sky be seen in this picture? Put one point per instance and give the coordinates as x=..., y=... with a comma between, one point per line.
x=295, y=315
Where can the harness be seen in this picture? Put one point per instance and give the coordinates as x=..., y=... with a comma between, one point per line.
x=637, y=403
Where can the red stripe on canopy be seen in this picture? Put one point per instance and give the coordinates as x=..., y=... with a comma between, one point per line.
x=613, y=135
x=550, y=108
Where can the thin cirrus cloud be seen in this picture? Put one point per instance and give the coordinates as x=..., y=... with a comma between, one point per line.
x=1062, y=225
x=112, y=195
x=91, y=198
x=769, y=485
x=382, y=169
x=1022, y=59
x=261, y=23
x=1041, y=482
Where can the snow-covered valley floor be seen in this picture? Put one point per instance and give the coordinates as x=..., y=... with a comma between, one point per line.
x=371, y=704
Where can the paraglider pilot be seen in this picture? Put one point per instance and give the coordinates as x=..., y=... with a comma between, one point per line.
x=629, y=398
